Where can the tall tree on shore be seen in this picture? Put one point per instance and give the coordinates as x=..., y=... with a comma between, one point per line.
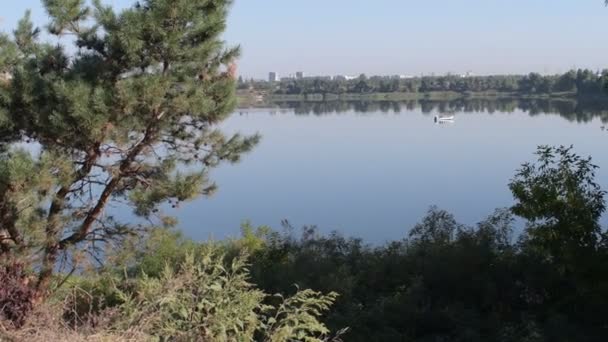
x=562, y=203
x=109, y=120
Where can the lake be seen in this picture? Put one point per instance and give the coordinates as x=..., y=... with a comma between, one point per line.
x=371, y=170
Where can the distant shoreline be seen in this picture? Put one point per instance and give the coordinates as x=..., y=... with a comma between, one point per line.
x=255, y=99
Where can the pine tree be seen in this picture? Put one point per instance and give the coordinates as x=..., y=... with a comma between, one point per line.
x=110, y=117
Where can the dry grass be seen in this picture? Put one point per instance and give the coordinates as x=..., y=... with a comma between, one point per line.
x=46, y=324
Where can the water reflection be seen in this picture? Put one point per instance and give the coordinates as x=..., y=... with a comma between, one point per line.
x=372, y=169
x=571, y=110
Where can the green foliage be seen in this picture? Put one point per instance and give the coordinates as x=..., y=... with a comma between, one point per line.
x=451, y=282
x=200, y=300
x=562, y=203
x=421, y=289
x=204, y=297
x=438, y=227
x=576, y=82
x=65, y=14
x=114, y=122
x=296, y=317
x=161, y=247
x=253, y=239
x=24, y=184
x=445, y=282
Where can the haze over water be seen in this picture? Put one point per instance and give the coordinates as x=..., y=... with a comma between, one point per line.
x=373, y=174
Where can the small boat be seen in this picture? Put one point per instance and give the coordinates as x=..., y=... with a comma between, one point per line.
x=444, y=118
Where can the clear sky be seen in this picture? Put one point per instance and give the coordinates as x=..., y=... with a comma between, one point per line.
x=404, y=36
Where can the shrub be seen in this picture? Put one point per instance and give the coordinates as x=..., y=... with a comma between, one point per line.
x=203, y=299
x=16, y=293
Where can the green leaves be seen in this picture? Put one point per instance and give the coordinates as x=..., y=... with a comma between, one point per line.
x=207, y=298
x=562, y=202
x=137, y=99
x=438, y=227
x=9, y=56
x=174, y=189
x=25, y=184
x=26, y=35
x=66, y=15
x=297, y=317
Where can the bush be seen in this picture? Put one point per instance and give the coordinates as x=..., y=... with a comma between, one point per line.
x=202, y=299
x=16, y=293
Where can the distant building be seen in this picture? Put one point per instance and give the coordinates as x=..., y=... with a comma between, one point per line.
x=468, y=74
x=273, y=77
x=299, y=75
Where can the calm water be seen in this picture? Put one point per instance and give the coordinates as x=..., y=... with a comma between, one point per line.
x=372, y=171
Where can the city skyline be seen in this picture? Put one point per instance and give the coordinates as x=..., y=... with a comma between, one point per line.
x=403, y=37
x=273, y=76
x=410, y=37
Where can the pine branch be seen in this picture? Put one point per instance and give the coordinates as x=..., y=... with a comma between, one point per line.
x=52, y=228
x=81, y=234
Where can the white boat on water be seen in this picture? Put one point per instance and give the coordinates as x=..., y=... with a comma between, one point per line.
x=444, y=118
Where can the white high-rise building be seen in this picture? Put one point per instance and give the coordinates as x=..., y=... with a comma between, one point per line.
x=273, y=77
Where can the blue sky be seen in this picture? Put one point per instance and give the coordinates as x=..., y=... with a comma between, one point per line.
x=405, y=36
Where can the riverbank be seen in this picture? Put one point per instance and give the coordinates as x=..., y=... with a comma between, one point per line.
x=436, y=95
x=251, y=98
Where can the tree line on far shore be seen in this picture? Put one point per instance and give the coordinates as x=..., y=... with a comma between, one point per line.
x=582, y=82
